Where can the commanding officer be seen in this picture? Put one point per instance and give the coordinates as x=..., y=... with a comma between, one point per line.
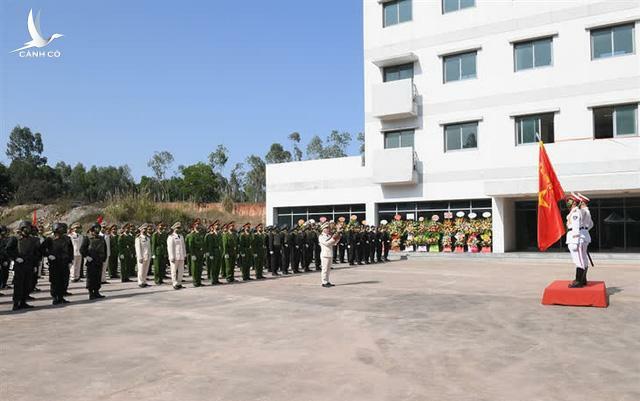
x=59, y=252
x=126, y=248
x=113, y=256
x=4, y=257
x=285, y=240
x=327, y=242
x=578, y=238
x=259, y=251
x=229, y=251
x=76, y=239
x=25, y=252
x=213, y=243
x=275, y=252
x=177, y=253
x=143, y=255
x=195, y=249
x=94, y=250
x=159, y=252
x=244, y=249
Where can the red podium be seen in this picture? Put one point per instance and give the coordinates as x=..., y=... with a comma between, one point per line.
x=592, y=294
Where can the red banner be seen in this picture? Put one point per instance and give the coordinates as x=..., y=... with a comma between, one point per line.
x=550, y=224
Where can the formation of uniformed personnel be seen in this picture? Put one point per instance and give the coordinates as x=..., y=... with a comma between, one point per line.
x=245, y=252
x=159, y=253
x=579, y=223
x=58, y=250
x=275, y=247
x=94, y=251
x=286, y=242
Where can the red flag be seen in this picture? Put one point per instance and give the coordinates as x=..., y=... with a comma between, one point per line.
x=550, y=224
x=34, y=220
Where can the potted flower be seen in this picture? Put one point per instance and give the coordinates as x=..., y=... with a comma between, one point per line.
x=447, y=230
x=472, y=243
x=485, y=241
x=433, y=234
x=460, y=237
x=446, y=242
x=421, y=240
x=486, y=238
x=461, y=228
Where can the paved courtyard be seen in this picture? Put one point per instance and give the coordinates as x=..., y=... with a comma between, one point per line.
x=433, y=329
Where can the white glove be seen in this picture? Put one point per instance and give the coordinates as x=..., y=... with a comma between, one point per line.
x=255, y=255
x=226, y=256
x=121, y=256
x=89, y=259
x=194, y=258
x=348, y=246
x=206, y=255
x=270, y=252
x=51, y=257
x=153, y=256
x=19, y=260
x=211, y=257
x=242, y=254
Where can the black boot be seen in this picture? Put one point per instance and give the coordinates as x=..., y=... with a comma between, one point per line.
x=577, y=283
x=583, y=279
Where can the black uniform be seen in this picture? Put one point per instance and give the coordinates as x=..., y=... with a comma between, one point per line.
x=286, y=251
x=372, y=246
x=4, y=262
x=275, y=247
x=378, y=246
x=360, y=246
x=299, y=253
x=350, y=240
x=61, y=250
x=26, y=254
x=386, y=242
x=313, y=248
x=267, y=259
x=95, y=248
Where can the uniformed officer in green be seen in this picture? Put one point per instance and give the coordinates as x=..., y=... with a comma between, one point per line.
x=195, y=248
x=245, y=241
x=229, y=251
x=259, y=251
x=94, y=252
x=113, y=247
x=127, y=251
x=213, y=247
x=159, y=252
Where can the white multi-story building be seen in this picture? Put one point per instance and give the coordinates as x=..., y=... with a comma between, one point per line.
x=456, y=92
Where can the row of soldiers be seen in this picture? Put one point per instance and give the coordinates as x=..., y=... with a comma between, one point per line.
x=217, y=249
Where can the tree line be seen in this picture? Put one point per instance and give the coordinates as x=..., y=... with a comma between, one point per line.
x=29, y=178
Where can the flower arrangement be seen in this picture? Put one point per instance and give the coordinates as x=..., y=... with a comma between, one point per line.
x=460, y=237
x=472, y=243
x=485, y=238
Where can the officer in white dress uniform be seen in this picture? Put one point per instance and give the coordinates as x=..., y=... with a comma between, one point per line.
x=177, y=251
x=327, y=241
x=76, y=241
x=143, y=255
x=578, y=238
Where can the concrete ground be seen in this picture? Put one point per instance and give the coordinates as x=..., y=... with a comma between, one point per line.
x=413, y=330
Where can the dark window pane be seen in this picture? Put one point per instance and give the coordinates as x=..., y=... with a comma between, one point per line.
x=387, y=207
x=392, y=140
x=451, y=69
x=404, y=10
x=633, y=228
x=407, y=206
x=460, y=205
x=603, y=122
x=300, y=210
x=470, y=136
x=612, y=229
x=481, y=203
x=390, y=13
x=601, y=43
x=397, y=72
x=467, y=3
x=450, y=5
x=623, y=39
x=468, y=65
x=524, y=56
x=542, y=50
x=547, y=127
x=283, y=210
x=452, y=134
x=342, y=208
x=626, y=120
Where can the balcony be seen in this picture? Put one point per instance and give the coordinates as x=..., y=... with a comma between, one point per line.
x=394, y=167
x=394, y=100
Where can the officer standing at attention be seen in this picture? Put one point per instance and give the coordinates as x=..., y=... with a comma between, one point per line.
x=24, y=250
x=578, y=238
x=244, y=249
x=177, y=253
x=265, y=245
x=59, y=252
x=285, y=240
x=76, y=240
x=126, y=248
x=4, y=258
x=275, y=250
x=143, y=255
x=195, y=249
x=327, y=241
x=314, y=244
x=106, y=235
x=113, y=247
x=259, y=251
x=159, y=253
x=386, y=240
x=213, y=244
x=229, y=251
x=94, y=250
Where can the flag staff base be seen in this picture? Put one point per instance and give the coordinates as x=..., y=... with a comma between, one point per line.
x=593, y=294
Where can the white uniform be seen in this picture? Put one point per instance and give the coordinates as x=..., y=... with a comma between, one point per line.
x=578, y=237
x=106, y=261
x=143, y=256
x=327, y=243
x=76, y=265
x=177, y=252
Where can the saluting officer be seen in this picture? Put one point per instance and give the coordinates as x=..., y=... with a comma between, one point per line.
x=59, y=252
x=94, y=250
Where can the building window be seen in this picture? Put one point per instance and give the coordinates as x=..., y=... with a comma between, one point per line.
x=461, y=136
x=456, y=5
x=290, y=216
x=460, y=66
x=396, y=11
x=613, y=121
x=528, y=126
x=398, y=139
x=533, y=54
x=415, y=210
x=612, y=41
x=398, y=72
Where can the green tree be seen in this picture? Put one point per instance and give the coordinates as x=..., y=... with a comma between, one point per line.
x=294, y=137
x=236, y=179
x=336, y=145
x=6, y=189
x=219, y=158
x=315, y=148
x=277, y=154
x=200, y=184
x=25, y=146
x=159, y=164
x=361, y=141
x=255, y=181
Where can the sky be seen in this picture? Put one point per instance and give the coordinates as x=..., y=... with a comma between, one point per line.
x=135, y=77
